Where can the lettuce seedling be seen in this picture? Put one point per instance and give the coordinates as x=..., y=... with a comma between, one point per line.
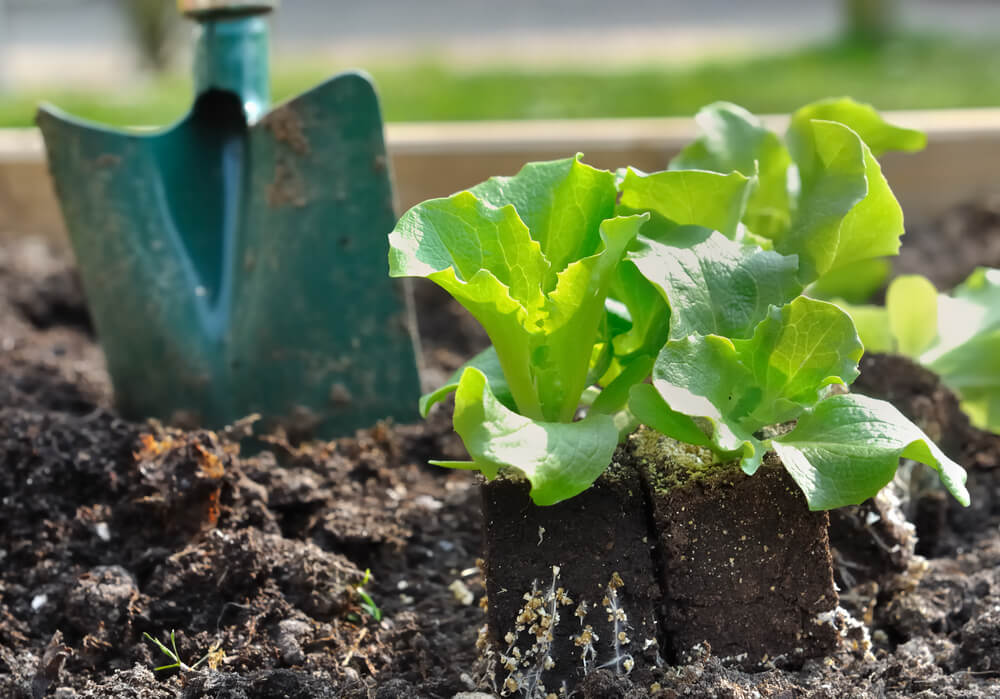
x=749, y=361
x=955, y=335
x=817, y=196
x=590, y=283
x=532, y=257
x=729, y=395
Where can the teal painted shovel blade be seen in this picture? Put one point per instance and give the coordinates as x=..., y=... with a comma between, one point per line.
x=234, y=268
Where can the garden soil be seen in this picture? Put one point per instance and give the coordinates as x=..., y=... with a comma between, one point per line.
x=111, y=530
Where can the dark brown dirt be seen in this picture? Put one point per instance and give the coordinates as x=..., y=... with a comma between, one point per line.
x=107, y=534
x=573, y=583
x=946, y=251
x=872, y=541
x=942, y=526
x=110, y=529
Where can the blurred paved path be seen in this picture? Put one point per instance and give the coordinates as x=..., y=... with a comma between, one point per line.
x=84, y=41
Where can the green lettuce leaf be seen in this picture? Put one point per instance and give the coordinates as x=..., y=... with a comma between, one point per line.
x=864, y=120
x=686, y=197
x=955, y=335
x=833, y=208
x=489, y=364
x=966, y=353
x=614, y=397
x=872, y=324
x=732, y=139
x=559, y=459
x=648, y=312
x=702, y=377
x=649, y=405
x=912, y=308
x=673, y=199
x=715, y=285
x=562, y=202
x=729, y=389
x=856, y=283
x=907, y=324
x=845, y=210
x=795, y=353
x=848, y=447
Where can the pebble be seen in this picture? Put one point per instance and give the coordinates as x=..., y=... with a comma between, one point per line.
x=290, y=633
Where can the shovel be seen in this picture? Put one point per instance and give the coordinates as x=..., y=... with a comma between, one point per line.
x=234, y=263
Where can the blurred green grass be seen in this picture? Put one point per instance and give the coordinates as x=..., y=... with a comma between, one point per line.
x=908, y=72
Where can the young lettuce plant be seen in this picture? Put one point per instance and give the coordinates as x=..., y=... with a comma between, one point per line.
x=818, y=196
x=956, y=335
x=708, y=299
x=532, y=257
x=749, y=362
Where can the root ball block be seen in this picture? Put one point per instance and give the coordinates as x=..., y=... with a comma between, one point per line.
x=744, y=565
x=571, y=586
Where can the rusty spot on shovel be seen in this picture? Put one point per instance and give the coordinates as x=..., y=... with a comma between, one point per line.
x=107, y=160
x=286, y=125
x=287, y=188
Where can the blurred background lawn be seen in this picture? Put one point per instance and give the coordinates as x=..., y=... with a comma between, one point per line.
x=862, y=48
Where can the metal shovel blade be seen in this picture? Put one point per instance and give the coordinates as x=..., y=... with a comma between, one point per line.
x=234, y=268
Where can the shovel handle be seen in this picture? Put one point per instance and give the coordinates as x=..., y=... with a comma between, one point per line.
x=205, y=8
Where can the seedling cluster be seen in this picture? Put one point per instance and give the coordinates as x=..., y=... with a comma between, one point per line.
x=677, y=299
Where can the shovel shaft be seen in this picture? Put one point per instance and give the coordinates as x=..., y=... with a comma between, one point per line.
x=231, y=54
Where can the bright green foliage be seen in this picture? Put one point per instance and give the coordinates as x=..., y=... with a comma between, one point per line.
x=966, y=354
x=911, y=303
x=559, y=459
x=693, y=279
x=820, y=194
x=872, y=324
x=856, y=283
x=795, y=353
x=675, y=201
x=908, y=324
x=735, y=140
x=712, y=284
x=489, y=364
x=955, y=335
x=710, y=391
x=686, y=197
x=880, y=136
x=846, y=211
x=648, y=321
x=533, y=258
x=848, y=447
x=739, y=386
